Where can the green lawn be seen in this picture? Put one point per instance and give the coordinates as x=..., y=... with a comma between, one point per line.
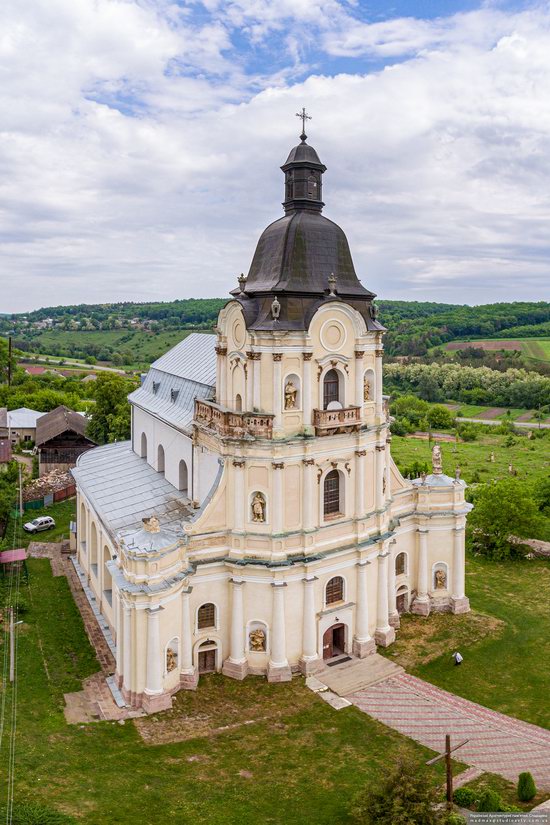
x=505, y=641
x=536, y=348
x=63, y=513
x=300, y=762
x=530, y=457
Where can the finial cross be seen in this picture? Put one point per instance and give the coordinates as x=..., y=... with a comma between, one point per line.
x=304, y=116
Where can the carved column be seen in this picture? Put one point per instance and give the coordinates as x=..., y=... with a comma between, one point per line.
x=360, y=457
x=306, y=392
x=459, y=601
x=277, y=511
x=119, y=619
x=387, y=469
x=221, y=368
x=239, y=502
x=188, y=674
x=308, y=502
x=127, y=652
x=249, y=373
x=378, y=383
x=385, y=634
x=277, y=402
x=393, y=615
x=257, y=380
x=309, y=660
x=153, y=697
x=278, y=669
x=359, y=384
x=379, y=473
x=421, y=604
x=363, y=643
x=236, y=666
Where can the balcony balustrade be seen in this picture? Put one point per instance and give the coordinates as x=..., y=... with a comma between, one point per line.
x=233, y=424
x=330, y=422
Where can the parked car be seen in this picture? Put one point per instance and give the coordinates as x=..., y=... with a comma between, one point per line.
x=39, y=524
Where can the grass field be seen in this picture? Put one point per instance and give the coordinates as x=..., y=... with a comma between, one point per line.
x=530, y=458
x=144, y=346
x=505, y=642
x=300, y=762
x=63, y=513
x=536, y=348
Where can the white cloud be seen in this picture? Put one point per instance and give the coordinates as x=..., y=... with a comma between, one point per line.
x=139, y=158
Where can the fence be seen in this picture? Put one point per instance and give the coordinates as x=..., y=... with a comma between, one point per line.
x=48, y=499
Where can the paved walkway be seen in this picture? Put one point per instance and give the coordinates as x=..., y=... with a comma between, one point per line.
x=425, y=713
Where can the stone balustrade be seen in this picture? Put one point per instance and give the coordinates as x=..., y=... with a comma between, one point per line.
x=330, y=422
x=233, y=424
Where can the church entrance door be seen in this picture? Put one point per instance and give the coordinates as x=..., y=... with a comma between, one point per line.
x=207, y=657
x=402, y=603
x=334, y=641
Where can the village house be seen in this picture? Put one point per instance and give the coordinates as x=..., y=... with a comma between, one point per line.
x=256, y=521
x=19, y=426
x=61, y=439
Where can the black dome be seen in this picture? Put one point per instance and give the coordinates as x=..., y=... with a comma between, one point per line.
x=303, y=153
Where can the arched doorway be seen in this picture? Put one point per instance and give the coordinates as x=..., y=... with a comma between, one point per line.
x=334, y=641
x=183, y=477
x=160, y=459
x=207, y=656
x=402, y=600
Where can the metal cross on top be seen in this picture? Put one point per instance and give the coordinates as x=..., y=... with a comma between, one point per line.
x=304, y=116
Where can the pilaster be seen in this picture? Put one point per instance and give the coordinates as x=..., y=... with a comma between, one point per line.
x=189, y=676
x=385, y=634
x=459, y=601
x=363, y=643
x=421, y=604
x=236, y=666
x=309, y=660
x=278, y=669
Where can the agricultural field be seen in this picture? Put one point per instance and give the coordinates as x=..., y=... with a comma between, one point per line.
x=530, y=458
x=493, y=413
x=143, y=346
x=535, y=348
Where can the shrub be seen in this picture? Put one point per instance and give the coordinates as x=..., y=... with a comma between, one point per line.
x=467, y=432
x=31, y=813
x=526, y=787
x=489, y=801
x=465, y=797
x=455, y=819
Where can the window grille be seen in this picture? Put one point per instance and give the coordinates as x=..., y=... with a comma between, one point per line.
x=207, y=616
x=335, y=590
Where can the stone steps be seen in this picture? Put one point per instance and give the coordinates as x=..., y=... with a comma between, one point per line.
x=358, y=674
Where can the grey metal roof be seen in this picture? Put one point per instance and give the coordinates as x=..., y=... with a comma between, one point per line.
x=123, y=489
x=185, y=372
x=193, y=358
x=24, y=418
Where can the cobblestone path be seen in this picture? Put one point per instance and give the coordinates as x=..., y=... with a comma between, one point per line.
x=425, y=713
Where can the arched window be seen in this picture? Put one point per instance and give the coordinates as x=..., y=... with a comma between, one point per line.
x=107, y=578
x=93, y=547
x=183, y=482
x=331, y=499
x=143, y=451
x=238, y=403
x=160, y=459
x=206, y=616
x=82, y=526
x=334, y=590
x=400, y=564
x=312, y=186
x=331, y=388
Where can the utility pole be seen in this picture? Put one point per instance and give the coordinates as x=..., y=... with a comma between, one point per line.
x=12, y=645
x=9, y=360
x=446, y=755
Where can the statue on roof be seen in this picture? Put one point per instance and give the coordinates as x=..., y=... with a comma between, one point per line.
x=437, y=467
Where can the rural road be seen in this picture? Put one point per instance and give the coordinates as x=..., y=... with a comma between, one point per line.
x=496, y=421
x=72, y=362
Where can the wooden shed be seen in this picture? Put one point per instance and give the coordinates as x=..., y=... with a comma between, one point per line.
x=61, y=438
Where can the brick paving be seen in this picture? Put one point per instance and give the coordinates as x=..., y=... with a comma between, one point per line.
x=425, y=713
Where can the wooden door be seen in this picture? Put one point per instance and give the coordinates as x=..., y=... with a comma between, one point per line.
x=402, y=603
x=207, y=661
x=334, y=641
x=327, y=644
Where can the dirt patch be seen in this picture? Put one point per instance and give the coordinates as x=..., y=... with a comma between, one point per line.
x=493, y=413
x=420, y=642
x=433, y=436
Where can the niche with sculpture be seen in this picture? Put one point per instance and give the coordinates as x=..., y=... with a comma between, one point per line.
x=440, y=577
x=368, y=386
x=291, y=392
x=258, y=508
x=172, y=656
x=257, y=638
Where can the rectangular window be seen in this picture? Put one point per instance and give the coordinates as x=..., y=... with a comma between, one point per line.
x=332, y=495
x=207, y=616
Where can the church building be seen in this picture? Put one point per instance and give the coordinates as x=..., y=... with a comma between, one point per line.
x=256, y=522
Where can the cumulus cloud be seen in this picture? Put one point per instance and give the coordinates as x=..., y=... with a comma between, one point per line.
x=140, y=145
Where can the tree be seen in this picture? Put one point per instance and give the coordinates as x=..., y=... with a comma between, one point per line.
x=526, y=787
x=440, y=417
x=4, y=360
x=405, y=797
x=111, y=413
x=503, y=512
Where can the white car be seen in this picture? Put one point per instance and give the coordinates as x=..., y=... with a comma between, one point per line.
x=39, y=524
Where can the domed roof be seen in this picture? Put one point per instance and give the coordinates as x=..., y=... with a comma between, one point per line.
x=299, y=253
x=303, y=153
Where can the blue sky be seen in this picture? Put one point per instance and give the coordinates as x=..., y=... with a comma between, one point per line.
x=142, y=139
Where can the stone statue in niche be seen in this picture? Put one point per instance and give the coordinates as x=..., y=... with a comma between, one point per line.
x=257, y=639
x=366, y=389
x=171, y=660
x=440, y=580
x=290, y=395
x=437, y=466
x=275, y=309
x=258, y=508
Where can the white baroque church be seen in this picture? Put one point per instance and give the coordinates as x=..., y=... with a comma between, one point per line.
x=256, y=522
